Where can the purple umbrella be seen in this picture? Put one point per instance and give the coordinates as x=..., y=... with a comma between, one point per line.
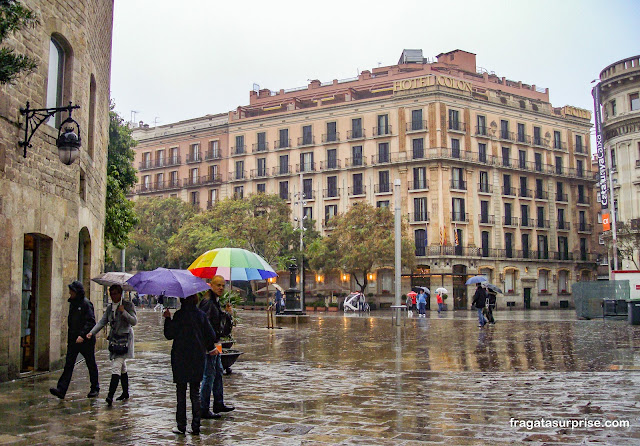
x=168, y=282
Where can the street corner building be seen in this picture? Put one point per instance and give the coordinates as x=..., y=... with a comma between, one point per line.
x=52, y=208
x=495, y=180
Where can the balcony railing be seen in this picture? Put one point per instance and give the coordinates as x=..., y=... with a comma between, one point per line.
x=309, y=195
x=563, y=226
x=522, y=138
x=527, y=223
x=584, y=200
x=584, y=227
x=417, y=126
x=506, y=135
x=581, y=149
x=485, y=188
x=457, y=126
x=542, y=224
x=458, y=185
x=306, y=167
x=331, y=193
x=259, y=173
x=260, y=147
x=481, y=131
x=212, y=155
x=463, y=251
x=355, y=162
x=282, y=143
x=211, y=203
x=585, y=256
x=144, y=165
x=238, y=150
x=173, y=161
x=211, y=179
x=561, y=197
x=418, y=185
x=383, y=158
x=540, y=142
x=331, y=164
x=382, y=131
x=525, y=193
x=331, y=137
x=418, y=216
x=459, y=217
x=559, y=145
x=308, y=140
x=237, y=175
x=168, y=185
x=283, y=169
x=382, y=188
x=356, y=134
x=486, y=219
x=560, y=255
x=510, y=221
x=542, y=194
x=509, y=190
x=194, y=157
x=328, y=223
x=357, y=191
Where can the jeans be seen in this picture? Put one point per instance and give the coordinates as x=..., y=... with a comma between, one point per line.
x=87, y=350
x=181, y=412
x=481, y=321
x=422, y=308
x=440, y=307
x=211, y=380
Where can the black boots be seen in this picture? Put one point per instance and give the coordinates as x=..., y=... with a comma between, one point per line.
x=124, y=378
x=113, y=385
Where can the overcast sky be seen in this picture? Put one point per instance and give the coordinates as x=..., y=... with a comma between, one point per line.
x=179, y=60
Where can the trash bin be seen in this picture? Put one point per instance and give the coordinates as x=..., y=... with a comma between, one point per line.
x=634, y=312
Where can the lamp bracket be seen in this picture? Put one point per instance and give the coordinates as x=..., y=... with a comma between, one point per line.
x=34, y=117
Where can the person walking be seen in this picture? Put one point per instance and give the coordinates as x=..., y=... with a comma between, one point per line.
x=491, y=304
x=278, y=301
x=193, y=340
x=212, y=372
x=440, y=302
x=121, y=317
x=479, y=302
x=80, y=321
x=422, y=304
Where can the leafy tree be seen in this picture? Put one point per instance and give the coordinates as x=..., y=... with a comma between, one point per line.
x=160, y=219
x=121, y=177
x=628, y=242
x=260, y=223
x=362, y=239
x=13, y=17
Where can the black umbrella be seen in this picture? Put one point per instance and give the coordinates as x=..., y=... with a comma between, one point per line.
x=494, y=288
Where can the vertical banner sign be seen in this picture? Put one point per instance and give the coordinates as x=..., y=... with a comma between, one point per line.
x=602, y=161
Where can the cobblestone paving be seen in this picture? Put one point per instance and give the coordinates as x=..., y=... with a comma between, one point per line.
x=356, y=380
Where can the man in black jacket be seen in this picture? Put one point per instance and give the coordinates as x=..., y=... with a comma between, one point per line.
x=81, y=320
x=212, y=376
x=479, y=301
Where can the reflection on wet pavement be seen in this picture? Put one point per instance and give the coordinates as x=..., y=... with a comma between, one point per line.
x=360, y=380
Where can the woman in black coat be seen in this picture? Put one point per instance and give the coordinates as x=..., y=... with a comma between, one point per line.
x=479, y=301
x=193, y=338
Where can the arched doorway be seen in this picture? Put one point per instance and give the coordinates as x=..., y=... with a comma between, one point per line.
x=35, y=311
x=459, y=287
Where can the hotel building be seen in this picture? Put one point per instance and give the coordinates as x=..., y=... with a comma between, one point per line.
x=494, y=179
x=620, y=96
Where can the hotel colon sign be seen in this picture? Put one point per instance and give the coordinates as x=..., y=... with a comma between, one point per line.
x=495, y=180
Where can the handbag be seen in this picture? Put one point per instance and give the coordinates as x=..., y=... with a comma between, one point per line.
x=119, y=344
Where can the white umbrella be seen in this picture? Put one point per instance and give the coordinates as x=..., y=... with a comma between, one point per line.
x=115, y=278
x=441, y=290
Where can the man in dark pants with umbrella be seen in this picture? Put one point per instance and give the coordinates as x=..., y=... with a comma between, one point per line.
x=212, y=376
x=80, y=322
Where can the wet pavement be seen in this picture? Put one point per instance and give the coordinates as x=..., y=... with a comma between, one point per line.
x=358, y=380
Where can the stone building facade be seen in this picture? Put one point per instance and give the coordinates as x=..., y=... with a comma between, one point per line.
x=620, y=96
x=52, y=215
x=494, y=179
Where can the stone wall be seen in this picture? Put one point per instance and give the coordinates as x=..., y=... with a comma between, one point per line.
x=39, y=194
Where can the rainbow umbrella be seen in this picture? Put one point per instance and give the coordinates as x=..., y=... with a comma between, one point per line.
x=232, y=264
